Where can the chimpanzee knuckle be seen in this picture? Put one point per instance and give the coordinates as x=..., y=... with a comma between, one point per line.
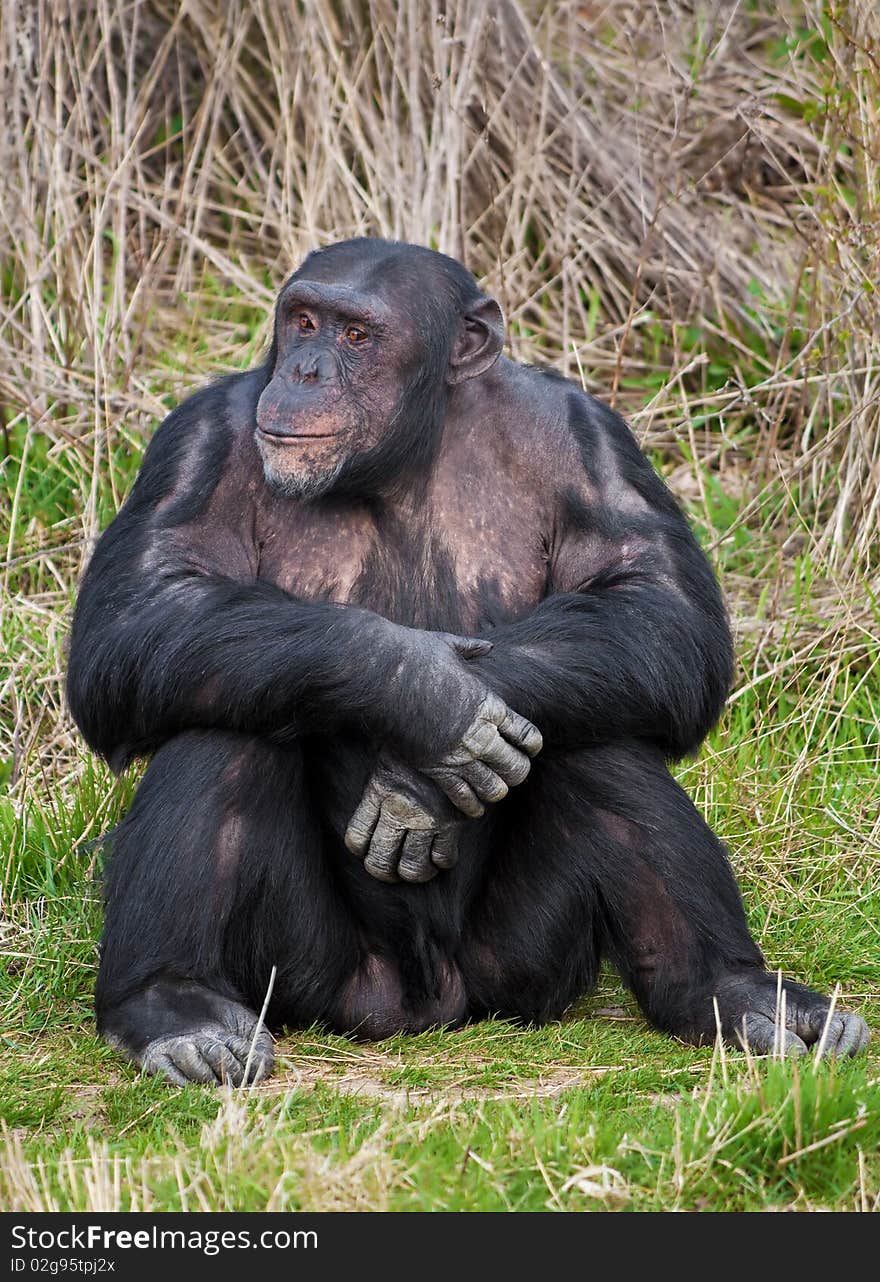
x=469, y=803
x=837, y=1046
x=522, y=733
x=790, y=1046
x=363, y=821
x=388, y=834
x=256, y=1053
x=226, y=1066
x=356, y=840
x=445, y=851
x=478, y=738
x=759, y=1034
x=847, y=1034
x=516, y=769
x=380, y=871
x=499, y=789
x=457, y=757
x=488, y=785
x=416, y=871
x=422, y=821
x=163, y=1066
x=459, y=793
x=360, y=829
x=490, y=793
x=400, y=809
x=492, y=709
x=415, y=861
x=463, y=797
x=831, y=1027
x=513, y=766
x=188, y=1056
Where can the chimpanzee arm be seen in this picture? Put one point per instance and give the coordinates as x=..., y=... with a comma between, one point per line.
x=174, y=630
x=633, y=640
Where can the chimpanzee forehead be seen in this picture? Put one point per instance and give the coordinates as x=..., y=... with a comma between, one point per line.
x=393, y=271
x=343, y=300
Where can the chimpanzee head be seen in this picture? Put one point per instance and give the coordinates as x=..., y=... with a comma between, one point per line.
x=370, y=336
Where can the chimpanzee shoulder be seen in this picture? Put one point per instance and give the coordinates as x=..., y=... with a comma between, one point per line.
x=189, y=451
x=587, y=431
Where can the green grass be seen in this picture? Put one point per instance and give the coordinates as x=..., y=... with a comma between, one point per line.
x=588, y=1114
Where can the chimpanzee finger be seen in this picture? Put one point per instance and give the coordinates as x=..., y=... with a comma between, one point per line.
x=512, y=765
x=363, y=821
x=521, y=733
x=845, y=1034
x=224, y=1063
x=254, y=1053
x=163, y=1065
x=383, y=854
x=445, y=849
x=459, y=793
x=187, y=1055
x=415, y=864
x=763, y=1036
x=485, y=782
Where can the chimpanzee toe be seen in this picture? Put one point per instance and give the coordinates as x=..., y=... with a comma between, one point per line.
x=212, y=1056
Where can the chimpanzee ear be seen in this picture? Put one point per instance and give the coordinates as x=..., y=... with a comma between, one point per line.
x=479, y=341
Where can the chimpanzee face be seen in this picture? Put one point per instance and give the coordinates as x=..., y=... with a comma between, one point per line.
x=369, y=338
x=340, y=371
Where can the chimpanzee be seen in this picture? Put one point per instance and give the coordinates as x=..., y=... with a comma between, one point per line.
x=409, y=632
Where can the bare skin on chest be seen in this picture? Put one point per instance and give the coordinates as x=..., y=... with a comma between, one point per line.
x=464, y=551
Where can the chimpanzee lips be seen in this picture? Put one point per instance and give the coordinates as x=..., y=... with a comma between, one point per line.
x=287, y=415
x=288, y=438
x=284, y=424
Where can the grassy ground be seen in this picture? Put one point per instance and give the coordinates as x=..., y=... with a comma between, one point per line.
x=707, y=255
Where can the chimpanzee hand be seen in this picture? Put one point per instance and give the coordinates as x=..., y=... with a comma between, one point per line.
x=404, y=829
x=452, y=727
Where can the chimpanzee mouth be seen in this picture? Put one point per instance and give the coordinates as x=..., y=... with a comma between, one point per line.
x=289, y=438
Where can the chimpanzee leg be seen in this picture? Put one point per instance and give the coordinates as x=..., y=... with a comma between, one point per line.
x=531, y=941
x=674, y=920
x=660, y=895
x=217, y=874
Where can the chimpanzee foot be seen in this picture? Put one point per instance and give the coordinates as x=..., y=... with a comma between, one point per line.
x=187, y=1033
x=213, y=1055
x=753, y=1015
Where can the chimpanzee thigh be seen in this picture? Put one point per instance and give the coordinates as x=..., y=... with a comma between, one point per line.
x=217, y=874
x=605, y=853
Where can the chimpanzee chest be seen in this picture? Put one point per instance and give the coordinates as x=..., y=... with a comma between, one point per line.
x=438, y=568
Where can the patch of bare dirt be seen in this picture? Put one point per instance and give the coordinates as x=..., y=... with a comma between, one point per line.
x=370, y=1082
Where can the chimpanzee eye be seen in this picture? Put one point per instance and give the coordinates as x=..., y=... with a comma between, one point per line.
x=354, y=334
x=304, y=321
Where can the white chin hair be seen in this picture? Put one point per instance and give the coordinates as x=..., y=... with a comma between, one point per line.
x=301, y=485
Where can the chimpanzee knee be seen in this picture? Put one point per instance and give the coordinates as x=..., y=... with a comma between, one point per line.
x=217, y=875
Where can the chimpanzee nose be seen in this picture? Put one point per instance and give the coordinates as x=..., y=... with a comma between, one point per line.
x=311, y=367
